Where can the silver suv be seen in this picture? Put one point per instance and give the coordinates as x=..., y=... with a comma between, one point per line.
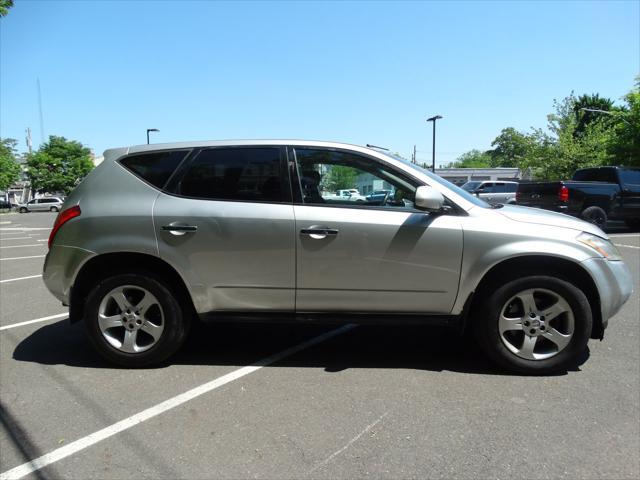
x=159, y=236
x=493, y=192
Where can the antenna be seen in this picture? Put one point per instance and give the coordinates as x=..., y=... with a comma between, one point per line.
x=40, y=110
x=379, y=148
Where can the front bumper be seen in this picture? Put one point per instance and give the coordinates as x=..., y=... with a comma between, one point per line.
x=614, y=283
x=61, y=266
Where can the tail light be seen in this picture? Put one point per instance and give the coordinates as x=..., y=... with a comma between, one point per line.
x=62, y=218
x=563, y=193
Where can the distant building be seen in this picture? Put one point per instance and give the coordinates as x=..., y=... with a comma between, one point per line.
x=460, y=176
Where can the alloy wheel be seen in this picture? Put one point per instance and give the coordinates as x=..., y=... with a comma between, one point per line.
x=131, y=319
x=536, y=324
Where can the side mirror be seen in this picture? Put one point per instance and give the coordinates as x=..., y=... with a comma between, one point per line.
x=429, y=199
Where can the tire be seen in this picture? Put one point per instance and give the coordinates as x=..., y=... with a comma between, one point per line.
x=54, y=209
x=114, y=337
x=23, y=210
x=595, y=215
x=504, y=342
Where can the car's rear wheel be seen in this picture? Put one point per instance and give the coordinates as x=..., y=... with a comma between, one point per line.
x=535, y=325
x=23, y=210
x=134, y=320
x=54, y=209
x=595, y=215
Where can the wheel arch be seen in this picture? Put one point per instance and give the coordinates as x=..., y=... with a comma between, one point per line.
x=108, y=264
x=517, y=267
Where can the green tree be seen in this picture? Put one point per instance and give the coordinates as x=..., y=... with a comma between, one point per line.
x=9, y=167
x=58, y=165
x=472, y=159
x=5, y=5
x=511, y=148
x=340, y=178
x=586, y=117
x=625, y=145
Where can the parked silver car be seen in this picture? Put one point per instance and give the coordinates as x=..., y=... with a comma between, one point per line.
x=493, y=191
x=157, y=236
x=44, y=204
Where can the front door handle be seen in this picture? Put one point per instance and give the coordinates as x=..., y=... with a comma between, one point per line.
x=318, y=232
x=179, y=229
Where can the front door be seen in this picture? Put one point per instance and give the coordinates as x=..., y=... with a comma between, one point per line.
x=227, y=225
x=377, y=255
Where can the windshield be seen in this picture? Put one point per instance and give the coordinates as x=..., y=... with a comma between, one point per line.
x=436, y=178
x=470, y=186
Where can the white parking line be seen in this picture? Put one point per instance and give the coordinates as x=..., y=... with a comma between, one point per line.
x=20, y=278
x=4, y=223
x=26, y=229
x=21, y=258
x=19, y=246
x=15, y=238
x=85, y=442
x=29, y=322
x=626, y=246
x=632, y=235
x=43, y=240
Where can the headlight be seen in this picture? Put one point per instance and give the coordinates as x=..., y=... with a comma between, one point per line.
x=600, y=245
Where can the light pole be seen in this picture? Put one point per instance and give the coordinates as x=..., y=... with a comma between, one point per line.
x=433, y=158
x=613, y=114
x=151, y=130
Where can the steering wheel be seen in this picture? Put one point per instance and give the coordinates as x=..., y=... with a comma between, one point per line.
x=385, y=199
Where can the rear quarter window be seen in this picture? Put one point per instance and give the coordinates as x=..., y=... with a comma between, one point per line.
x=156, y=167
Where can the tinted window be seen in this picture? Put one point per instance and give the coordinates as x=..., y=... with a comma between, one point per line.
x=471, y=186
x=512, y=187
x=499, y=188
x=596, y=175
x=155, y=168
x=630, y=176
x=249, y=174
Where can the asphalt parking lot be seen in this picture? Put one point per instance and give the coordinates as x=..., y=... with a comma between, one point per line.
x=334, y=402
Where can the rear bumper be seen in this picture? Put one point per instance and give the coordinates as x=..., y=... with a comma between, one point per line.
x=61, y=266
x=614, y=283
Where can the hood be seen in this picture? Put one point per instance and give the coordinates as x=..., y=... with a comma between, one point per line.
x=545, y=217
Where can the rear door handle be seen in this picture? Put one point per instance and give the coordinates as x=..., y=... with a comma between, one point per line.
x=319, y=232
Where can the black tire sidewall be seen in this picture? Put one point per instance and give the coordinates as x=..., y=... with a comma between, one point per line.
x=488, y=335
x=173, y=334
x=587, y=212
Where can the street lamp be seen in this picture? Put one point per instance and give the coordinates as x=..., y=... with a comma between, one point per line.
x=433, y=119
x=151, y=130
x=613, y=114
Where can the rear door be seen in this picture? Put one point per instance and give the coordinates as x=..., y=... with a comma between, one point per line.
x=630, y=184
x=382, y=255
x=226, y=224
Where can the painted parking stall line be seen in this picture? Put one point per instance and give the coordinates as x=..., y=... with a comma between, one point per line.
x=85, y=442
x=626, y=246
x=21, y=246
x=20, y=278
x=37, y=320
x=21, y=258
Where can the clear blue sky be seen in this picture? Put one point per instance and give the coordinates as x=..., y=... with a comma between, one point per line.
x=361, y=72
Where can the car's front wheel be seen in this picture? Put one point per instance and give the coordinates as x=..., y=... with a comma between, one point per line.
x=134, y=320
x=54, y=209
x=534, y=325
x=23, y=210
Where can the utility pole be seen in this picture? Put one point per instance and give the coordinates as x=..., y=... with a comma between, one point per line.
x=413, y=159
x=28, y=139
x=433, y=158
x=40, y=110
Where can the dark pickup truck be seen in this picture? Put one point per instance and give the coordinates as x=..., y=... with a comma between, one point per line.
x=593, y=194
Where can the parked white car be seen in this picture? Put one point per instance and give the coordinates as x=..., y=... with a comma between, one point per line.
x=351, y=194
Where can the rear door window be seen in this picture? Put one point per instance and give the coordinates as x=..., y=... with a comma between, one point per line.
x=252, y=174
x=156, y=167
x=630, y=177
